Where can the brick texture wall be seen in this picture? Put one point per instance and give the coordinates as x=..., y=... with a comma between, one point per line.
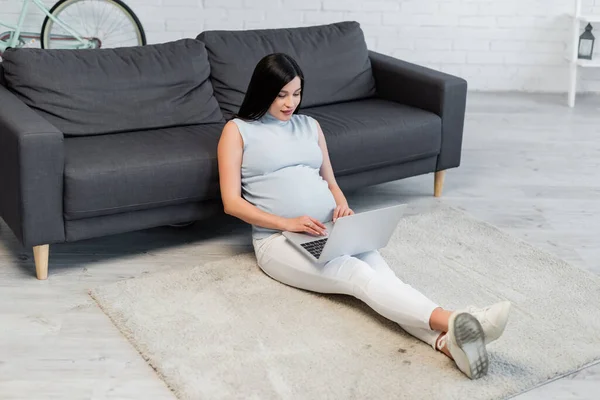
x=507, y=45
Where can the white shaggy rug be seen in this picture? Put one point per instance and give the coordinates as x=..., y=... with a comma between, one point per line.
x=225, y=330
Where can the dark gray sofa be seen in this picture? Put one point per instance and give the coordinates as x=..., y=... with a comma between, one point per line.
x=100, y=142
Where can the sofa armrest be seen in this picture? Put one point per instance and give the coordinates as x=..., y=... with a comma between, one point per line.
x=434, y=91
x=31, y=173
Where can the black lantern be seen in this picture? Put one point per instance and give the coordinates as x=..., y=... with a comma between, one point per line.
x=586, y=43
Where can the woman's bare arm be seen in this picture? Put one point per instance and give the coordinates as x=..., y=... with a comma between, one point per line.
x=229, y=156
x=342, y=209
x=327, y=171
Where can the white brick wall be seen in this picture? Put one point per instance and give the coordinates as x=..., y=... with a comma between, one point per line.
x=495, y=45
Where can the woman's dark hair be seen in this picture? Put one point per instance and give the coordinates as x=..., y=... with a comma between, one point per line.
x=271, y=74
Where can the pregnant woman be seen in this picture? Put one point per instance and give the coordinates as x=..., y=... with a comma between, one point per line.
x=275, y=174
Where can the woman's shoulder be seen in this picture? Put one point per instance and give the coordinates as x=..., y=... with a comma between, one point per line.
x=239, y=121
x=233, y=124
x=304, y=119
x=241, y=124
x=307, y=121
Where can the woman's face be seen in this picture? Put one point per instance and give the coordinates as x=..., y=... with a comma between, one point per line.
x=286, y=101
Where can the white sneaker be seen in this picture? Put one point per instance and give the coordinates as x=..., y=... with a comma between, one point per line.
x=493, y=319
x=466, y=344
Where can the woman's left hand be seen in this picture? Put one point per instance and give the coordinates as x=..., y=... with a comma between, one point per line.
x=342, y=211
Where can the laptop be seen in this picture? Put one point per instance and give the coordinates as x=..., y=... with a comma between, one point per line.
x=350, y=235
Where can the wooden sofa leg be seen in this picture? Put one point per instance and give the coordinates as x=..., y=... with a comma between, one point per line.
x=40, y=255
x=438, y=183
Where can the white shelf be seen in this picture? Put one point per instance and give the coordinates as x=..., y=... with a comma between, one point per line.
x=577, y=17
x=588, y=63
x=584, y=63
x=588, y=18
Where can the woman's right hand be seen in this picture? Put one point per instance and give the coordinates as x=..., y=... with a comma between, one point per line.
x=306, y=224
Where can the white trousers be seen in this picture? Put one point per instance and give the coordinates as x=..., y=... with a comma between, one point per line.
x=366, y=276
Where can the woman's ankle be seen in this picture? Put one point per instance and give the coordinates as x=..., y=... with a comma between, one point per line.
x=438, y=321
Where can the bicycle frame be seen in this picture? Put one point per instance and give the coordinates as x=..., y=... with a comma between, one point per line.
x=16, y=29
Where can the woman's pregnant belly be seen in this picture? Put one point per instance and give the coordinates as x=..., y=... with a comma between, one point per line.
x=291, y=192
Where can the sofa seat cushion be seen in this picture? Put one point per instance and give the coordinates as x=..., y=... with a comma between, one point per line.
x=334, y=59
x=87, y=92
x=123, y=172
x=374, y=133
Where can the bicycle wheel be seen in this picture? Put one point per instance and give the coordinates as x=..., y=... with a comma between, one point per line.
x=103, y=23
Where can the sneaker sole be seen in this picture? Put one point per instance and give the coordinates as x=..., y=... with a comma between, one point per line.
x=469, y=338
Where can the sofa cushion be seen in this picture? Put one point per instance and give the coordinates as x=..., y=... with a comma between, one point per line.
x=2, y=79
x=85, y=92
x=334, y=59
x=373, y=133
x=131, y=171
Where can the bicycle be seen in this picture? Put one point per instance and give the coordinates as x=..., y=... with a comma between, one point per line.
x=69, y=24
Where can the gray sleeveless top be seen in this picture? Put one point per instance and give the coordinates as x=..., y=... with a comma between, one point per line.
x=280, y=169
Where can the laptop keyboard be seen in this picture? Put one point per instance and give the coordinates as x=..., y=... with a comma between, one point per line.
x=315, y=247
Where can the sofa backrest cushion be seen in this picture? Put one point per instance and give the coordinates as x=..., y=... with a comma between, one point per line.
x=334, y=59
x=86, y=92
